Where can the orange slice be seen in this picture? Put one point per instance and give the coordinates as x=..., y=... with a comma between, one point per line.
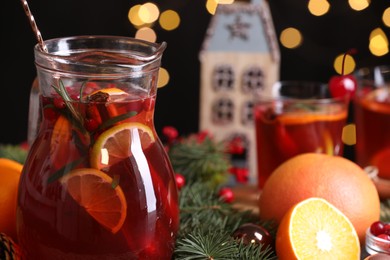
x=315, y=229
x=115, y=144
x=378, y=101
x=99, y=195
x=61, y=146
x=310, y=117
x=111, y=91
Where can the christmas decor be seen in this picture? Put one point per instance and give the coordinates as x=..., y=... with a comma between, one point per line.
x=239, y=57
x=210, y=228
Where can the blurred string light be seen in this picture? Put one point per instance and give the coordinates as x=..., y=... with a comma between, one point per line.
x=359, y=5
x=386, y=17
x=143, y=18
x=211, y=5
x=163, y=78
x=349, y=65
x=348, y=135
x=169, y=20
x=379, y=44
x=291, y=38
x=318, y=7
x=146, y=34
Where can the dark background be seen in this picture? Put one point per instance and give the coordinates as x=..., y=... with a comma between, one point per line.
x=325, y=37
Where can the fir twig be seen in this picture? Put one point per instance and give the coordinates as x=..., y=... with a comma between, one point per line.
x=207, y=224
x=13, y=152
x=204, y=160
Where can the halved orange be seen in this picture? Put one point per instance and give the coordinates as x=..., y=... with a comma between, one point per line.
x=315, y=229
x=99, y=195
x=116, y=143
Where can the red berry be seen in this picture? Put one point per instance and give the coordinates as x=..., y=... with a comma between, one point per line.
x=377, y=228
x=384, y=236
x=180, y=180
x=170, y=133
x=91, y=124
x=226, y=194
x=59, y=103
x=386, y=229
x=342, y=85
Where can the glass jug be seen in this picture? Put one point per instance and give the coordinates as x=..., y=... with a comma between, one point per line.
x=97, y=183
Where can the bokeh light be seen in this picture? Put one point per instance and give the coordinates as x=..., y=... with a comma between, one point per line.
x=134, y=17
x=348, y=135
x=386, y=17
x=349, y=64
x=148, y=12
x=163, y=78
x=291, y=38
x=318, y=7
x=379, y=44
x=169, y=20
x=147, y=34
x=359, y=5
x=211, y=6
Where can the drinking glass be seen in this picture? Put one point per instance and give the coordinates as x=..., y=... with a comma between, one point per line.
x=97, y=182
x=372, y=118
x=296, y=117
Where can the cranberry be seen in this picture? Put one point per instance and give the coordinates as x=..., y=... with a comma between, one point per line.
x=386, y=229
x=170, y=133
x=91, y=124
x=59, y=103
x=180, y=180
x=384, y=236
x=226, y=194
x=377, y=228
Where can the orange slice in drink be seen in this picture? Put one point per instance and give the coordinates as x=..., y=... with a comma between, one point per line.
x=99, y=195
x=310, y=117
x=315, y=229
x=115, y=144
x=111, y=91
x=378, y=100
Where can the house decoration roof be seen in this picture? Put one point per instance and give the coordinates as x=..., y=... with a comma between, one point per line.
x=242, y=27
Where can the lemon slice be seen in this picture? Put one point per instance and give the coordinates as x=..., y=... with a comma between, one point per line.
x=115, y=144
x=98, y=195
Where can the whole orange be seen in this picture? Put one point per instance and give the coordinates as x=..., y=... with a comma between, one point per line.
x=338, y=180
x=10, y=171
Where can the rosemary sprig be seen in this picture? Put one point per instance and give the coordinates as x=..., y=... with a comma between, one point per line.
x=61, y=90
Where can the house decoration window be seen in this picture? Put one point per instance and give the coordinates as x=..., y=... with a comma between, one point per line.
x=247, y=113
x=223, y=78
x=223, y=111
x=252, y=80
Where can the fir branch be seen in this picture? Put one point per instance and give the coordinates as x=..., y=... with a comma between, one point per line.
x=207, y=224
x=13, y=152
x=204, y=160
x=385, y=210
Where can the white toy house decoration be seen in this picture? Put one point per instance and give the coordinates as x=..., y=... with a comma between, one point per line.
x=239, y=56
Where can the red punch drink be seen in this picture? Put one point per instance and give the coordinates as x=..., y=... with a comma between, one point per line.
x=372, y=117
x=97, y=183
x=287, y=126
